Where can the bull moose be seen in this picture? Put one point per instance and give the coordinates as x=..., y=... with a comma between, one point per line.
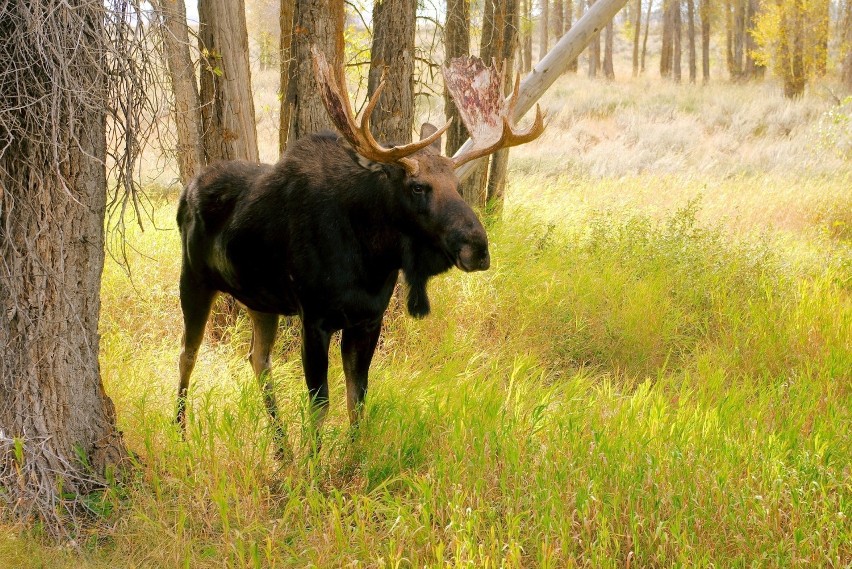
x=324, y=233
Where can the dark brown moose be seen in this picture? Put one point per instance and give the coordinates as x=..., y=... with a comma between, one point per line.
x=325, y=231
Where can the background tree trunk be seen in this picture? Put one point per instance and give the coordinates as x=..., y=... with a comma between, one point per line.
x=690, y=33
x=637, y=29
x=594, y=51
x=318, y=22
x=677, y=32
x=527, y=40
x=569, y=22
x=558, y=19
x=57, y=425
x=456, y=44
x=544, y=29
x=705, y=40
x=667, y=49
x=645, y=39
x=846, y=73
x=608, y=70
x=285, y=23
x=393, y=49
x=729, y=39
x=187, y=106
x=228, y=104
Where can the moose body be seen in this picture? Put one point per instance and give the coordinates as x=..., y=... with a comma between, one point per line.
x=322, y=234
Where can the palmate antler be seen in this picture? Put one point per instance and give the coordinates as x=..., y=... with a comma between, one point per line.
x=477, y=91
x=337, y=104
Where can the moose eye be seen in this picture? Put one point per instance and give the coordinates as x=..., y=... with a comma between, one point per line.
x=418, y=189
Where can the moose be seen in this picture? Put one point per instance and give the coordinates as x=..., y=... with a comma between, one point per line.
x=324, y=233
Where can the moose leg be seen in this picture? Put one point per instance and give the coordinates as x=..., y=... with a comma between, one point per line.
x=357, y=347
x=315, y=364
x=195, y=302
x=263, y=332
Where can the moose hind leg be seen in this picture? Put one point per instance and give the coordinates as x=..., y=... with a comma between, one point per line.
x=315, y=364
x=264, y=330
x=357, y=347
x=195, y=302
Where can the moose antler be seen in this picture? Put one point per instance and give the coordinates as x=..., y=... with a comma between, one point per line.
x=477, y=91
x=339, y=109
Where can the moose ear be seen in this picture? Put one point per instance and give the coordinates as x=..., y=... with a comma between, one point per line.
x=365, y=163
x=428, y=129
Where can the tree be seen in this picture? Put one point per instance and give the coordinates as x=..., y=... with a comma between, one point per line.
x=285, y=24
x=608, y=70
x=320, y=23
x=558, y=18
x=393, y=53
x=544, y=28
x=740, y=45
x=594, y=51
x=71, y=68
x=667, y=49
x=187, y=108
x=456, y=44
x=227, y=108
x=846, y=73
x=569, y=21
x=704, y=13
x=637, y=29
x=645, y=38
x=690, y=34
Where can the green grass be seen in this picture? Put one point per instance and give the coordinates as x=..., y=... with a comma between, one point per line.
x=622, y=387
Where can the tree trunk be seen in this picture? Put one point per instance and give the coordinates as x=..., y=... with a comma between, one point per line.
x=526, y=37
x=821, y=25
x=608, y=70
x=456, y=44
x=645, y=39
x=846, y=73
x=667, y=49
x=285, y=23
x=544, y=28
x=393, y=52
x=594, y=51
x=637, y=29
x=705, y=40
x=569, y=22
x=791, y=48
x=558, y=18
x=57, y=425
x=690, y=32
x=729, y=39
x=226, y=95
x=751, y=68
x=318, y=22
x=505, y=20
x=677, y=30
x=187, y=107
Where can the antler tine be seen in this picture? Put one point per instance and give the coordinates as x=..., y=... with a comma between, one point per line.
x=508, y=138
x=358, y=133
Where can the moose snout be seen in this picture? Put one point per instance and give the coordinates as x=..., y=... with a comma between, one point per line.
x=474, y=256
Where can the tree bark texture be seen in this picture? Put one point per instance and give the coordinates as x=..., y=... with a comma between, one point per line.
x=320, y=23
x=645, y=38
x=526, y=36
x=637, y=29
x=594, y=51
x=690, y=34
x=544, y=29
x=608, y=70
x=285, y=24
x=558, y=18
x=57, y=425
x=569, y=21
x=227, y=102
x=187, y=105
x=667, y=48
x=705, y=40
x=846, y=72
x=393, y=52
x=456, y=44
x=677, y=55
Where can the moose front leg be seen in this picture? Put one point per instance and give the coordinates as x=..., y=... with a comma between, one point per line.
x=315, y=364
x=357, y=347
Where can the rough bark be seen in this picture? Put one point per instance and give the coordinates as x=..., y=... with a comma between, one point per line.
x=285, y=23
x=690, y=34
x=645, y=38
x=677, y=32
x=393, y=51
x=227, y=103
x=57, y=425
x=456, y=44
x=705, y=40
x=637, y=29
x=594, y=51
x=320, y=23
x=846, y=72
x=608, y=70
x=667, y=48
x=187, y=107
x=544, y=29
x=558, y=18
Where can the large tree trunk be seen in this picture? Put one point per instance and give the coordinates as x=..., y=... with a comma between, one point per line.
x=393, y=52
x=690, y=33
x=608, y=70
x=705, y=40
x=57, y=425
x=645, y=38
x=228, y=103
x=667, y=49
x=320, y=23
x=187, y=107
x=544, y=29
x=637, y=29
x=285, y=23
x=456, y=44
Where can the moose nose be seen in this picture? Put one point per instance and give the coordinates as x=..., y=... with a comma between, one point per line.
x=473, y=258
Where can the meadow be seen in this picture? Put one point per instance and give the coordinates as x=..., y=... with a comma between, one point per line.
x=655, y=371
